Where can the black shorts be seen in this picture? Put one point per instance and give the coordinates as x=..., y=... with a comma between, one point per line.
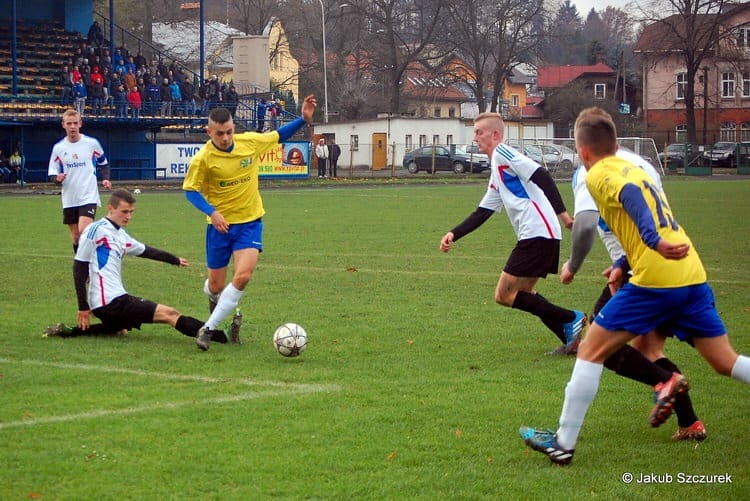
x=127, y=312
x=72, y=214
x=534, y=257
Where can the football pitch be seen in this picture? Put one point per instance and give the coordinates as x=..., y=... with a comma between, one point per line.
x=413, y=384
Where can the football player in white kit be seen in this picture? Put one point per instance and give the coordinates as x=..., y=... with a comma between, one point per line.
x=73, y=164
x=533, y=204
x=98, y=264
x=640, y=361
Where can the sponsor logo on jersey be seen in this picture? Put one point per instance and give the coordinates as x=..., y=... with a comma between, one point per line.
x=246, y=162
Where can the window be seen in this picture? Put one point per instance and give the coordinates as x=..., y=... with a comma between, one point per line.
x=436, y=139
x=681, y=86
x=727, y=84
x=452, y=112
x=436, y=114
x=422, y=140
x=745, y=131
x=746, y=84
x=743, y=38
x=728, y=132
x=449, y=139
x=408, y=142
x=354, y=142
x=680, y=133
x=515, y=100
x=600, y=91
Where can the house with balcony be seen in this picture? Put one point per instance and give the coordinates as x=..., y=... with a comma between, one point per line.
x=722, y=83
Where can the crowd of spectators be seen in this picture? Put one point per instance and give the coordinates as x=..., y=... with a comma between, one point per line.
x=123, y=85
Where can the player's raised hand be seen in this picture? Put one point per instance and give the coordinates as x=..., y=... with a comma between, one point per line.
x=308, y=107
x=672, y=251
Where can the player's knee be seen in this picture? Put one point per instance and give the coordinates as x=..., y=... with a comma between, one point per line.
x=503, y=299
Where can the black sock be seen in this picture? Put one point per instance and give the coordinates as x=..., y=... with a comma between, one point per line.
x=551, y=315
x=188, y=325
x=603, y=298
x=683, y=406
x=630, y=363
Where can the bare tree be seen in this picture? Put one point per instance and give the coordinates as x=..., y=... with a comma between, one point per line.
x=695, y=31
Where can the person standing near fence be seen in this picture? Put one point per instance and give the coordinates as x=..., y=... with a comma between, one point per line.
x=321, y=151
x=73, y=164
x=334, y=152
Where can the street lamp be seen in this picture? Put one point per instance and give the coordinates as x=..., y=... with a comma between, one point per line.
x=325, y=64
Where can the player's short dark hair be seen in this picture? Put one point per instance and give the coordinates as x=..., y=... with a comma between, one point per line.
x=120, y=195
x=219, y=115
x=596, y=130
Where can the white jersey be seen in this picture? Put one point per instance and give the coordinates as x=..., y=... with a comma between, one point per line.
x=103, y=246
x=78, y=161
x=583, y=201
x=529, y=210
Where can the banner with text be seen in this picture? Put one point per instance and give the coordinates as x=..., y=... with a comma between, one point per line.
x=287, y=160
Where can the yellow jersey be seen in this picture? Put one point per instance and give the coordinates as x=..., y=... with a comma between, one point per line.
x=229, y=179
x=605, y=180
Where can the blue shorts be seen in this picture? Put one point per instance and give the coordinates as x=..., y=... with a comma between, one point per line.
x=220, y=246
x=686, y=312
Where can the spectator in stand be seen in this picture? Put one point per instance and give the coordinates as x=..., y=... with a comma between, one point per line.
x=97, y=97
x=75, y=75
x=130, y=64
x=177, y=107
x=121, y=102
x=85, y=70
x=115, y=80
x=188, y=96
x=139, y=60
x=95, y=35
x=153, y=97
x=78, y=57
x=275, y=111
x=96, y=76
x=134, y=100
x=165, y=95
x=129, y=79
x=5, y=168
x=231, y=99
x=260, y=115
x=16, y=163
x=213, y=92
x=65, y=81
x=118, y=59
x=107, y=63
x=79, y=96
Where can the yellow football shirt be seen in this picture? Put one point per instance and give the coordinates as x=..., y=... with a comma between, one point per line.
x=605, y=181
x=229, y=180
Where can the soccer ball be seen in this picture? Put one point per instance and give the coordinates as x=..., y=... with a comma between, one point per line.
x=137, y=191
x=290, y=339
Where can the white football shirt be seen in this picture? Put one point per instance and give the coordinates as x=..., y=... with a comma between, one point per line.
x=530, y=212
x=78, y=161
x=103, y=246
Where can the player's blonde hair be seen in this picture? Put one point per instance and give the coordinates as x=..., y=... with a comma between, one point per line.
x=495, y=119
x=69, y=113
x=595, y=129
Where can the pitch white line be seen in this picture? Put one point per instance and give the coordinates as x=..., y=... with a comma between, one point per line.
x=281, y=389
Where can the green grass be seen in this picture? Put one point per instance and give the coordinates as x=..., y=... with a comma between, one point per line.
x=413, y=385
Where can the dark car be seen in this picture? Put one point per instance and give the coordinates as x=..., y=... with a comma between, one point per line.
x=445, y=158
x=721, y=154
x=674, y=155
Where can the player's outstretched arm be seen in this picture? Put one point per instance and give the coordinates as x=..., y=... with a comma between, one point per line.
x=308, y=107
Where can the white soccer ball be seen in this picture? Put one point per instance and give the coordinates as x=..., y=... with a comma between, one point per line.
x=290, y=339
x=137, y=191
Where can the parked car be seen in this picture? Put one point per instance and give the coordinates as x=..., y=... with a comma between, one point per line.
x=453, y=158
x=721, y=154
x=552, y=156
x=674, y=155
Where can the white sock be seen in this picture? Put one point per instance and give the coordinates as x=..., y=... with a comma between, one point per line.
x=580, y=392
x=228, y=301
x=211, y=295
x=741, y=369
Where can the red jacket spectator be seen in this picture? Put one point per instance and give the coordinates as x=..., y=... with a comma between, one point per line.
x=134, y=98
